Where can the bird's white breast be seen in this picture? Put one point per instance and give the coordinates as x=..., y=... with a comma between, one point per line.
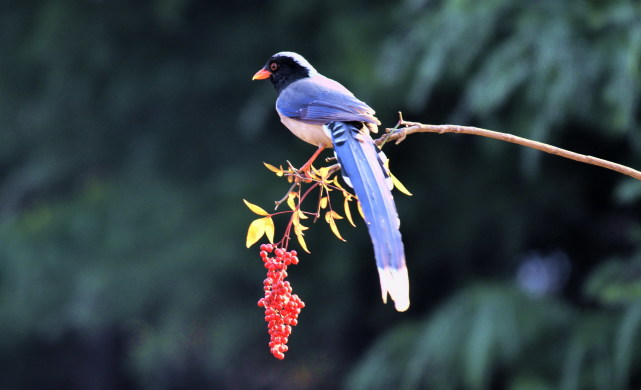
x=313, y=134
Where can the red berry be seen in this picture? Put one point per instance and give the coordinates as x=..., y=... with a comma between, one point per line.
x=281, y=306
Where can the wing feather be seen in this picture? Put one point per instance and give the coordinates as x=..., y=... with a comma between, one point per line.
x=314, y=103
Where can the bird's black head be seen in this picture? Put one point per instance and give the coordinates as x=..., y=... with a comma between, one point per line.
x=284, y=68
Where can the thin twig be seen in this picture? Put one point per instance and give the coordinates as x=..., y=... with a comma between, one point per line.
x=284, y=198
x=398, y=134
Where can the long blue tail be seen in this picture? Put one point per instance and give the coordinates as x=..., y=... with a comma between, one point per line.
x=363, y=169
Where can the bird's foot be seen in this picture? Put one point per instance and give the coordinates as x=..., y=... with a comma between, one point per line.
x=300, y=174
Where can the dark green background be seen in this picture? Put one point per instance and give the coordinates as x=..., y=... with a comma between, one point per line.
x=130, y=132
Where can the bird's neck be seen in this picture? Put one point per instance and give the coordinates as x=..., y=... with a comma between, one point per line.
x=281, y=83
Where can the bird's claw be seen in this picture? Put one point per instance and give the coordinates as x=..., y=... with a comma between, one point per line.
x=301, y=174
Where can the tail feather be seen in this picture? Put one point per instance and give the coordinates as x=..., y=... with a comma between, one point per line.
x=362, y=166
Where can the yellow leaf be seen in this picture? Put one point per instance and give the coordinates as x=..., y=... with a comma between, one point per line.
x=301, y=214
x=302, y=243
x=315, y=173
x=360, y=209
x=290, y=200
x=269, y=229
x=323, y=202
x=255, y=232
x=332, y=224
x=336, y=215
x=337, y=184
x=255, y=208
x=299, y=228
x=348, y=213
x=277, y=171
x=399, y=186
x=323, y=172
x=397, y=183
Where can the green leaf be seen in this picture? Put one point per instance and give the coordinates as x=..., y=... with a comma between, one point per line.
x=616, y=282
x=629, y=330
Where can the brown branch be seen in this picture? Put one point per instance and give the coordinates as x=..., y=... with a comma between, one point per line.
x=404, y=128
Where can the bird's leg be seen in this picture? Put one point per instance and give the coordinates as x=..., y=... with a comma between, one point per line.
x=306, y=167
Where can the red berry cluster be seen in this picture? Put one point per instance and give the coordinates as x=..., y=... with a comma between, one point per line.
x=281, y=306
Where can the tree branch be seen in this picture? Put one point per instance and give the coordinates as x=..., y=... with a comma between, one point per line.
x=404, y=128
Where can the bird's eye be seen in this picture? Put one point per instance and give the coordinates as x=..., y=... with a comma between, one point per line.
x=273, y=66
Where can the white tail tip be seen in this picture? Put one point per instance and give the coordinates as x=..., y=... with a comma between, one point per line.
x=396, y=283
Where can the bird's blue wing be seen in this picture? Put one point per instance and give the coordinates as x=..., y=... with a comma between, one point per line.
x=310, y=102
x=363, y=169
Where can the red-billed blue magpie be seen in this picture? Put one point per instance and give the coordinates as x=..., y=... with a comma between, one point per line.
x=324, y=113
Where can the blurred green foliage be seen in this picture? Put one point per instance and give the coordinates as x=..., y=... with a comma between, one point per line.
x=131, y=131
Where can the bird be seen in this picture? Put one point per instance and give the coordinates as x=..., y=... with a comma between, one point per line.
x=322, y=112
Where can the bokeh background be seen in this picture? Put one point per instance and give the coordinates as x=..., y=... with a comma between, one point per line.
x=130, y=132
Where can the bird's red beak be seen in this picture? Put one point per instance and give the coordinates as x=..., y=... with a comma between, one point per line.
x=262, y=74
